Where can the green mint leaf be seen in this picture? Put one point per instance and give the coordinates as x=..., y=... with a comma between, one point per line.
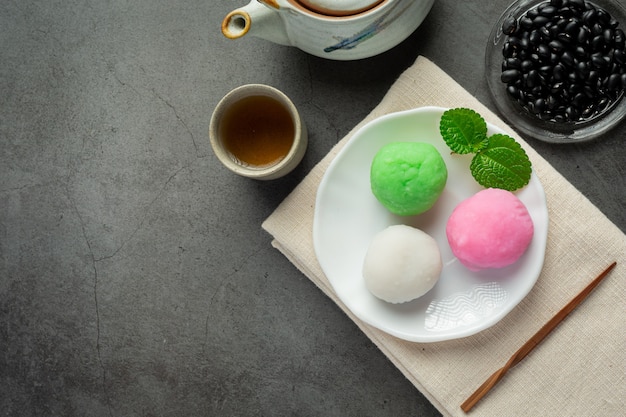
x=502, y=164
x=463, y=130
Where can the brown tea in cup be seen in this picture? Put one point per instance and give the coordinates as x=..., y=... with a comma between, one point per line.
x=257, y=130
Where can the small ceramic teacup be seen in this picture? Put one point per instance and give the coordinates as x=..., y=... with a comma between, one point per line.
x=257, y=132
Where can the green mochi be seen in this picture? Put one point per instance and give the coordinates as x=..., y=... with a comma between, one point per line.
x=408, y=177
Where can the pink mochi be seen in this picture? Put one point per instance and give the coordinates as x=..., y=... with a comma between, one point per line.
x=491, y=229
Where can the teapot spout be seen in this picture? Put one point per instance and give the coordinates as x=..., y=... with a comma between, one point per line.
x=256, y=19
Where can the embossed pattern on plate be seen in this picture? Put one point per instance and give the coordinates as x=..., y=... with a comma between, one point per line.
x=464, y=308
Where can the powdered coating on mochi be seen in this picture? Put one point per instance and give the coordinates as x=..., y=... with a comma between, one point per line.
x=408, y=177
x=491, y=229
x=402, y=263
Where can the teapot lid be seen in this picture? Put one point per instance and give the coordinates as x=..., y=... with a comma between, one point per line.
x=339, y=7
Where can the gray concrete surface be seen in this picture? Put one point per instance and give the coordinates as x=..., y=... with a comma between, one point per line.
x=135, y=279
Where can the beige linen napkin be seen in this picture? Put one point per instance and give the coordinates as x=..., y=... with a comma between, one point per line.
x=579, y=370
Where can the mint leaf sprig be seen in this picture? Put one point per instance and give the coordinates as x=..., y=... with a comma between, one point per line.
x=499, y=161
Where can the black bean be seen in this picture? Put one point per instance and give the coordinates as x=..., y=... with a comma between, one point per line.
x=555, y=58
x=509, y=26
x=540, y=21
x=508, y=49
x=566, y=11
x=513, y=91
x=526, y=65
x=535, y=58
x=546, y=71
x=561, y=23
x=578, y=100
x=572, y=28
x=535, y=37
x=619, y=38
x=559, y=72
x=598, y=60
x=512, y=63
x=607, y=62
x=564, y=37
x=553, y=29
x=526, y=22
x=619, y=56
x=583, y=35
x=567, y=58
x=556, y=46
x=532, y=80
x=574, y=88
x=597, y=43
x=589, y=17
x=524, y=43
x=580, y=52
x=540, y=105
x=588, y=112
x=615, y=68
x=510, y=75
x=547, y=11
x=582, y=69
x=579, y=4
x=557, y=87
x=515, y=42
x=545, y=115
x=536, y=91
x=608, y=36
x=604, y=17
x=572, y=78
x=597, y=29
x=614, y=82
x=623, y=79
x=603, y=103
x=571, y=113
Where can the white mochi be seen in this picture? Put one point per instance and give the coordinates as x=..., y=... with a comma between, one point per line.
x=402, y=263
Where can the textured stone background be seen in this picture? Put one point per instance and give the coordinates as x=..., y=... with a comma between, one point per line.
x=135, y=279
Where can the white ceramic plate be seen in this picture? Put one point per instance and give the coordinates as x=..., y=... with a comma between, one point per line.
x=347, y=216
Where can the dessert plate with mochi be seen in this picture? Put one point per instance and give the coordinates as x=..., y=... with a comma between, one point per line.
x=425, y=277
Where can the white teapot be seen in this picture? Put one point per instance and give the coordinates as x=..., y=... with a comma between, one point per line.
x=333, y=29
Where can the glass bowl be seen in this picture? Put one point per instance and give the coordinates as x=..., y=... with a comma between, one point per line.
x=524, y=118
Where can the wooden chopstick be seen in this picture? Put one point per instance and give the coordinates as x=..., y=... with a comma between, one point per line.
x=533, y=341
